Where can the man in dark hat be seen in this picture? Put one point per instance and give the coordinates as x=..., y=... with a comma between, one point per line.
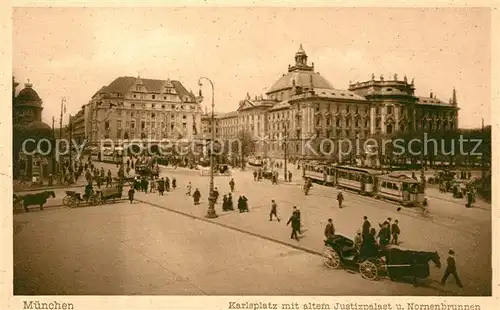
x=451, y=268
x=329, y=230
x=294, y=219
x=366, y=226
x=297, y=212
x=395, y=232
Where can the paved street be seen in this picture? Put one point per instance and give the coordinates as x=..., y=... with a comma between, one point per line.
x=149, y=230
x=139, y=249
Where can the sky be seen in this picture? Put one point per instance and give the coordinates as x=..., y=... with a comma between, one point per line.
x=72, y=52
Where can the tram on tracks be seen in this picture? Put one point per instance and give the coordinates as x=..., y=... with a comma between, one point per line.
x=395, y=187
x=400, y=188
x=357, y=179
x=320, y=173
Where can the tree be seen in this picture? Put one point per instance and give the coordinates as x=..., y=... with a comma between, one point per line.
x=244, y=145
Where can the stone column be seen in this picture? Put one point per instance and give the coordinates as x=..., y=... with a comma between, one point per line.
x=383, y=117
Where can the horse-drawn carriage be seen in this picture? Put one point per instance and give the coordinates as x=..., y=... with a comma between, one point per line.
x=36, y=199
x=93, y=196
x=219, y=170
x=145, y=170
x=392, y=261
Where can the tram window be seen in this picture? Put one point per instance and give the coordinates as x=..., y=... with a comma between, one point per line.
x=384, y=184
x=395, y=186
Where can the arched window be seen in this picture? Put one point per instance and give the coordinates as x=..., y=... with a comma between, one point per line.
x=389, y=129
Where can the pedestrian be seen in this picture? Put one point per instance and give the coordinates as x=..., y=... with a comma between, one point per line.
x=152, y=185
x=131, y=193
x=366, y=227
x=174, y=183
x=340, y=198
x=231, y=185
x=255, y=175
x=294, y=219
x=384, y=234
x=196, y=196
x=108, y=179
x=161, y=186
x=98, y=181
x=188, y=188
x=230, y=202
x=274, y=211
x=358, y=240
x=297, y=212
x=395, y=232
x=167, y=184
x=216, y=195
x=240, y=204
x=224, y=203
x=451, y=268
x=245, y=203
x=289, y=176
x=329, y=230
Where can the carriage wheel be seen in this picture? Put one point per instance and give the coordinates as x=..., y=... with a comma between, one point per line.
x=368, y=270
x=72, y=202
x=331, y=259
x=93, y=200
x=67, y=200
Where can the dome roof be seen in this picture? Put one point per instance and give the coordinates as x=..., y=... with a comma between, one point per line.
x=28, y=94
x=38, y=129
x=302, y=79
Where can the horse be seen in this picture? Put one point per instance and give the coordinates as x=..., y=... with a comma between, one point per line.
x=38, y=199
x=415, y=264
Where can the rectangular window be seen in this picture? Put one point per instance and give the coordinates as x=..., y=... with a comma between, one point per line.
x=132, y=105
x=153, y=97
x=119, y=124
x=143, y=125
x=389, y=110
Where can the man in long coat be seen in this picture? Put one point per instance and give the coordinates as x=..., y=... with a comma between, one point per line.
x=161, y=186
x=294, y=219
x=366, y=227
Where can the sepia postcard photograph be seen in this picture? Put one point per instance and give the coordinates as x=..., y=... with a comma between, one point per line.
x=250, y=151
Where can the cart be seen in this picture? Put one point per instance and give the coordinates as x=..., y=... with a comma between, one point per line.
x=73, y=199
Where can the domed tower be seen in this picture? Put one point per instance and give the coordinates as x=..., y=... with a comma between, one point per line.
x=300, y=77
x=27, y=124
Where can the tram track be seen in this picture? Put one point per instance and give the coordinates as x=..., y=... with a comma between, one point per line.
x=436, y=218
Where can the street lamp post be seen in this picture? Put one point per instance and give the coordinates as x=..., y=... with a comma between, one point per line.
x=211, y=198
x=70, y=169
x=63, y=101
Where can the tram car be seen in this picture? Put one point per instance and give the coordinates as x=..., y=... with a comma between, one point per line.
x=357, y=179
x=400, y=188
x=319, y=173
x=255, y=161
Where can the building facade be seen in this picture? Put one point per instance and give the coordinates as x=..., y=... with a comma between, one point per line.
x=302, y=107
x=78, y=126
x=139, y=109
